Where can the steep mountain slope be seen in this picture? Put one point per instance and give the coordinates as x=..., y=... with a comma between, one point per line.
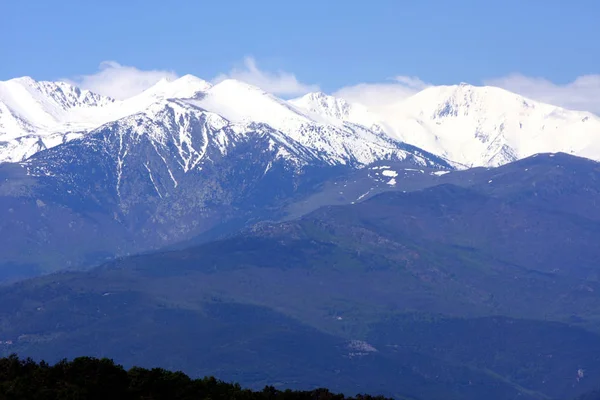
x=168, y=174
x=474, y=126
x=374, y=275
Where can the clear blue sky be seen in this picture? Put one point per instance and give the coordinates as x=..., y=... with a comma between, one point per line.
x=329, y=43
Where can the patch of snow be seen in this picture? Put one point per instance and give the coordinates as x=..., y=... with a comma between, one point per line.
x=152, y=179
x=362, y=196
x=361, y=346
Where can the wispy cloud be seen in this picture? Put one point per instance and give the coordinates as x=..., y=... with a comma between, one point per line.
x=120, y=81
x=380, y=96
x=279, y=82
x=581, y=94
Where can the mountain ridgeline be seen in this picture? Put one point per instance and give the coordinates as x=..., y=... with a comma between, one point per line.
x=472, y=126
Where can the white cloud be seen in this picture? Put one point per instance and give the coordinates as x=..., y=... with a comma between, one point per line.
x=279, y=83
x=581, y=94
x=380, y=96
x=411, y=82
x=120, y=81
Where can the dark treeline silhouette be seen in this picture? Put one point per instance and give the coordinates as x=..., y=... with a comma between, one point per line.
x=91, y=378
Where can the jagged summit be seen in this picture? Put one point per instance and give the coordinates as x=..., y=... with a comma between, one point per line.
x=64, y=94
x=319, y=102
x=331, y=109
x=28, y=105
x=37, y=115
x=186, y=86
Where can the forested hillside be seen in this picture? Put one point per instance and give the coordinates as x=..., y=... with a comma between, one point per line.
x=91, y=378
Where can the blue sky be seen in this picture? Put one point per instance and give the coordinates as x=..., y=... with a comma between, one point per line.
x=326, y=44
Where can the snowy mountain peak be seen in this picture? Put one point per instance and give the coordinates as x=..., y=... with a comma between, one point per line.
x=490, y=126
x=187, y=86
x=28, y=106
x=332, y=109
x=465, y=99
x=49, y=97
x=193, y=80
x=319, y=102
x=243, y=103
x=37, y=115
x=234, y=86
x=23, y=80
x=320, y=97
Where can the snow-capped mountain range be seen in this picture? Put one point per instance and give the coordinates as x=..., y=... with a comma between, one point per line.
x=39, y=115
x=468, y=125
